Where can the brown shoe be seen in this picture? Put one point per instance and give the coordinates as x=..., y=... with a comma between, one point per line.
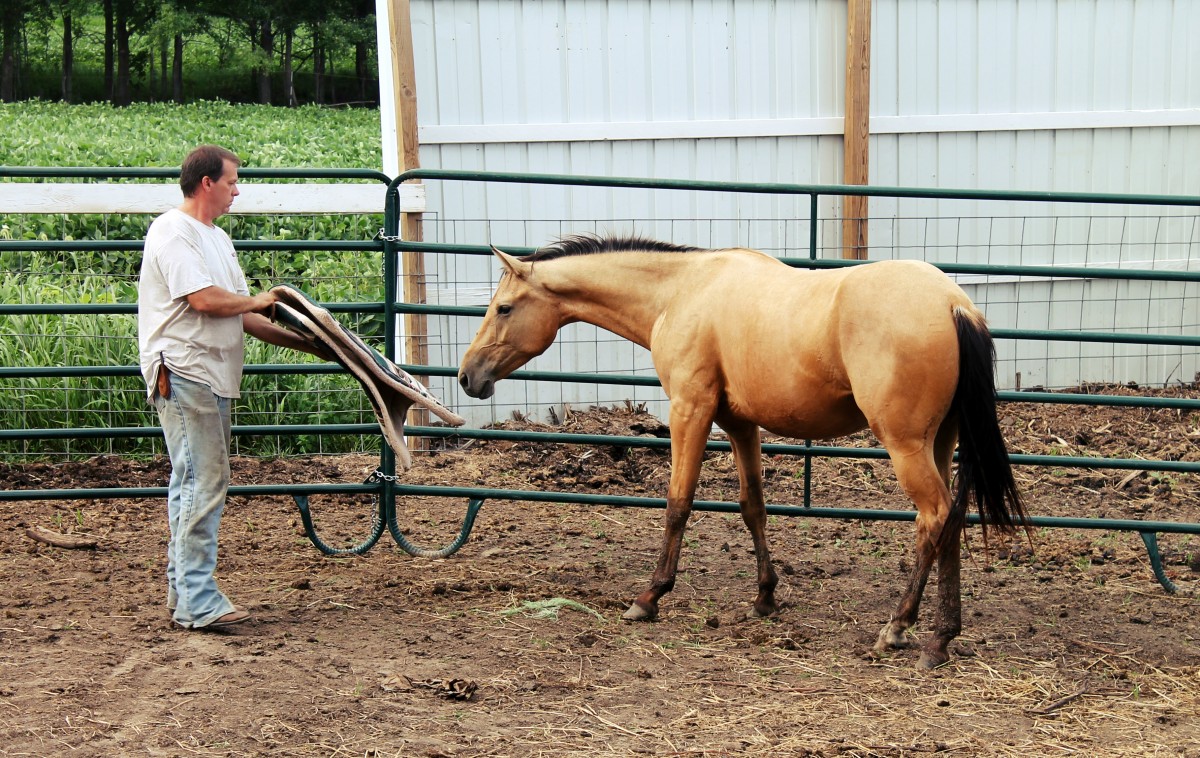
x=235, y=616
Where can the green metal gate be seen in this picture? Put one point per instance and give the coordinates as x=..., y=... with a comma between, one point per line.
x=386, y=486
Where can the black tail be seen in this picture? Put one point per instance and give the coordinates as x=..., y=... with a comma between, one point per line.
x=984, y=473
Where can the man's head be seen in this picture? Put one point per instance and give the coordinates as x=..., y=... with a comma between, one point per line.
x=209, y=180
x=206, y=161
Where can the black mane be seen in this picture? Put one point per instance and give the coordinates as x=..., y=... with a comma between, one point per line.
x=586, y=244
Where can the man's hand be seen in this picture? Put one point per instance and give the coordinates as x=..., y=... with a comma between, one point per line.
x=263, y=301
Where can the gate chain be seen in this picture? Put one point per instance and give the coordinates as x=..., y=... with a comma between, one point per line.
x=389, y=511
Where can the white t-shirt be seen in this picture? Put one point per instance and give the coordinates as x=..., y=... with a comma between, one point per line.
x=183, y=256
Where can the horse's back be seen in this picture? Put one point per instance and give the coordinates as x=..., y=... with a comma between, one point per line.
x=892, y=282
x=910, y=296
x=821, y=353
x=916, y=281
x=892, y=298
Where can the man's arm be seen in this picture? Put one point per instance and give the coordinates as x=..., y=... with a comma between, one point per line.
x=215, y=301
x=258, y=325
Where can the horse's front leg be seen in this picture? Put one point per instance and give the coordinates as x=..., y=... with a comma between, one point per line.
x=689, y=435
x=747, y=453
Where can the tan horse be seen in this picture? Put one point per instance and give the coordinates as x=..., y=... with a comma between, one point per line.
x=740, y=339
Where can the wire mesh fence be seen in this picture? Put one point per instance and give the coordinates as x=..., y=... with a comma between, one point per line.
x=1080, y=245
x=1075, y=246
x=107, y=339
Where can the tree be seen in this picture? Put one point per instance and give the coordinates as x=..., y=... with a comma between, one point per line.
x=122, y=90
x=11, y=27
x=336, y=25
x=365, y=16
x=68, y=12
x=52, y=48
x=292, y=16
x=255, y=22
x=266, y=48
x=109, y=36
x=299, y=14
x=68, y=53
x=175, y=22
x=177, y=69
x=131, y=20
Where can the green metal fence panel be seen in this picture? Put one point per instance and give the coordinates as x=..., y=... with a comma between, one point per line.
x=385, y=484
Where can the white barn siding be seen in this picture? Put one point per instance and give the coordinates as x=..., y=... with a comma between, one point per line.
x=1085, y=96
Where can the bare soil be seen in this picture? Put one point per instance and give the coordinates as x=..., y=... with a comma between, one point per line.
x=515, y=647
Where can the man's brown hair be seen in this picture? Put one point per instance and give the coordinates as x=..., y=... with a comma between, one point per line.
x=205, y=160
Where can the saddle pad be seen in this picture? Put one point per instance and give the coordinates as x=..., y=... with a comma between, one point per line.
x=391, y=389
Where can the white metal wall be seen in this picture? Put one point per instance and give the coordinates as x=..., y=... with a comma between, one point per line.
x=1082, y=95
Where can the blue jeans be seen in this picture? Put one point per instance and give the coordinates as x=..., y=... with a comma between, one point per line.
x=196, y=425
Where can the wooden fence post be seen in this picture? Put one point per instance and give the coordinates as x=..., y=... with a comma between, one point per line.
x=857, y=126
x=404, y=83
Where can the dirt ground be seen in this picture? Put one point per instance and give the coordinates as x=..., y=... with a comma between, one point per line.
x=515, y=646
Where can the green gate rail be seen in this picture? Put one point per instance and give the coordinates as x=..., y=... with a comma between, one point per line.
x=385, y=485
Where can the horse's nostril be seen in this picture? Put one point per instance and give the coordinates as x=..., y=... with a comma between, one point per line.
x=464, y=381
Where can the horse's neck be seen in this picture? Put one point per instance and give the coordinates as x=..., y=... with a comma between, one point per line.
x=624, y=293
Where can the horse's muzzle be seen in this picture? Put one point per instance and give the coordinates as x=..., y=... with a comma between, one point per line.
x=481, y=390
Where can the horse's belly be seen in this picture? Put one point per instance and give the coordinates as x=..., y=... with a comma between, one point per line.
x=815, y=415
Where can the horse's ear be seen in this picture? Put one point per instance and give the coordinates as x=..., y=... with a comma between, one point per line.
x=515, y=266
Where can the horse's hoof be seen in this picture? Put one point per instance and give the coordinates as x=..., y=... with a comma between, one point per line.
x=637, y=612
x=763, y=612
x=890, y=640
x=929, y=661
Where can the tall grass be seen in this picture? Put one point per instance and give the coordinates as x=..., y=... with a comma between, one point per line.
x=101, y=136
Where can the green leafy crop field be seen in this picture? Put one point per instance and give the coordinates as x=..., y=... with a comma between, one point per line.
x=43, y=133
x=158, y=135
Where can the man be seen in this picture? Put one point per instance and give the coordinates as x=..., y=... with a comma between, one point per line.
x=193, y=308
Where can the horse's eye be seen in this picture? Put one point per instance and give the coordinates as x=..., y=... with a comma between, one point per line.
x=503, y=310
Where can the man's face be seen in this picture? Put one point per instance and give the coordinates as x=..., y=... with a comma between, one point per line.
x=224, y=190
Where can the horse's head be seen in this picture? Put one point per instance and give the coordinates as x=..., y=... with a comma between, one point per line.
x=521, y=322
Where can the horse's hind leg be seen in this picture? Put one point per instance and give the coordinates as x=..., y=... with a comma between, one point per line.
x=921, y=479
x=924, y=478
x=893, y=634
x=747, y=453
x=948, y=618
x=947, y=621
